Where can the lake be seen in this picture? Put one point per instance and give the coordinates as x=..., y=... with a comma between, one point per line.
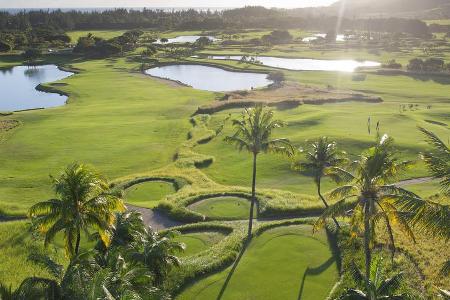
x=210, y=78
x=339, y=37
x=18, y=87
x=186, y=39
x=304, y=64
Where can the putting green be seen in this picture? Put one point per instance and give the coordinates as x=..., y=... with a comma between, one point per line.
x=148, y=194
x=282, y=263
x=229, y=208
x=198, y=241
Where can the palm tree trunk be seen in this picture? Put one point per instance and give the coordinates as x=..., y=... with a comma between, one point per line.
x=253, y=201
x=367, y=241
x=326, y=204
x=77, y=245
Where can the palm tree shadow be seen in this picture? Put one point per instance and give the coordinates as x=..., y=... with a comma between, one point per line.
x=314, y=271
x=335, y=258
x=238, y=259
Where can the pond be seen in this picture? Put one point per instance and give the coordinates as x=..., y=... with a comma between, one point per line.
x=210, y=78
x=186, y=39
x=339, y=37
x=305, y=64
x=18, y=87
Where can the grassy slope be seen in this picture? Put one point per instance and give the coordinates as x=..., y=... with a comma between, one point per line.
x=121, y=122
x=106, y=119
x=16, y=243
x=196, y=242
x=223, y=208
x=148, y=194
x=346, y=123
x=265, y=273
x=105, y=34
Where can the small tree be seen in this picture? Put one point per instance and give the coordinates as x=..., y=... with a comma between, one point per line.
x=5, y=46
x=32, y=55
x=277, y=77
x=331, y=36
x=85, y=202
x=202, y=42
x=323, y=160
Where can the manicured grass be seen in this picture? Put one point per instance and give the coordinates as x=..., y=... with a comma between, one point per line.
x=345, y=123
x=16, y=243
x=425, y=190
x=105, y=34
x=223, y=208
x=282, y=263
x=120, y=122
x=148, y=194
x=440, y=22
x=196, y=242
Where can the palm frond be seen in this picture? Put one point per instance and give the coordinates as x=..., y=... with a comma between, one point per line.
x=47, y=263
x=391, y=285
x=344, y=191
x=340, y=208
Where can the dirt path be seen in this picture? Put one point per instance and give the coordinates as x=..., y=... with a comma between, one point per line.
x=154, y=219
x=414, y=181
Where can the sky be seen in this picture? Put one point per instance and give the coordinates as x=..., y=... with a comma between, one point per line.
x=159, y=3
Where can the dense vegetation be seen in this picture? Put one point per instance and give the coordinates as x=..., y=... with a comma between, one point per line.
x=249, y=17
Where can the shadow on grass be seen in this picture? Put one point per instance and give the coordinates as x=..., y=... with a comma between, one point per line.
x=314, y=271
x=236, y=263
x=335, y=258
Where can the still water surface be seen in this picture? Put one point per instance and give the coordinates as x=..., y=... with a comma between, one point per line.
x=304, y=64
x=210, y=78
x=18, y=87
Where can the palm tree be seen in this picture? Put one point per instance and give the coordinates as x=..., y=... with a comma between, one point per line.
x=157, y=252
x=253, y=133
x=90, y=275
x=128, y=227
x=438, y=161
x=379, y=287
x=116, y=277
x=323, y=160
x=84, y=203
x=32, y=288
x=436, y=219
x=371, y=197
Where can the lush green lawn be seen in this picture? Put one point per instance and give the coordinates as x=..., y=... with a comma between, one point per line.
x=282, y=263
x=345, y=123
x=120, y=122
x=140, y=128
x=223, y=208
x=148, y=194
x=196, y=242
x=16, y=243
x=105, y=34
x=440, y=22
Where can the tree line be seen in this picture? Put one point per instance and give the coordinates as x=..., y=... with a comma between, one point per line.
x=247, y=17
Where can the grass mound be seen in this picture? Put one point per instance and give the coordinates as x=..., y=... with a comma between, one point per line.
x=197, y=242
x=148, y=194
x=263, y=272
x=223, y=208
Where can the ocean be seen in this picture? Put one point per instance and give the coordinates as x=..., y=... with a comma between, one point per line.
x=101, y=9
